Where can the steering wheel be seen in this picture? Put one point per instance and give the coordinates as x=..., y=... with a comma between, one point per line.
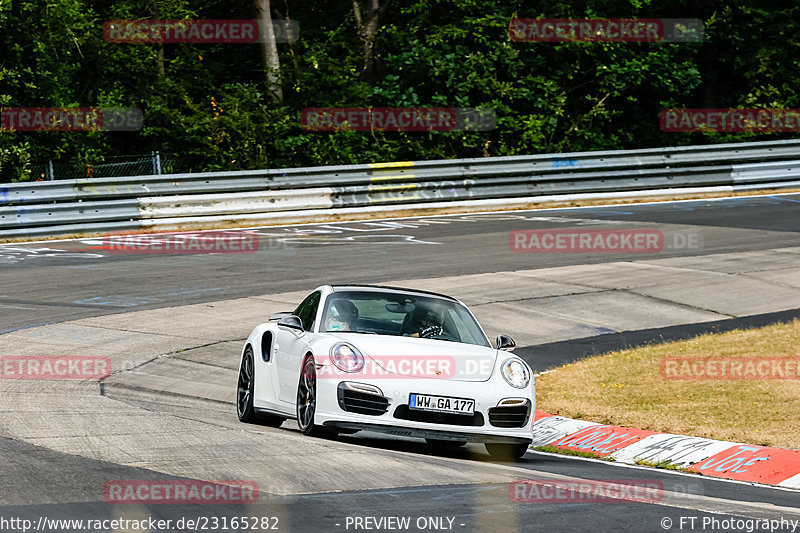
x=437, y=332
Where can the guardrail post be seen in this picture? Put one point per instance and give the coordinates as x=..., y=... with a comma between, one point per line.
x=156, y=163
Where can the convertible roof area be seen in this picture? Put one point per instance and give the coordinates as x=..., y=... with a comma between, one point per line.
x=377, y=288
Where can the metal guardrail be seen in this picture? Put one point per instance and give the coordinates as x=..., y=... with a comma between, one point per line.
x=133, y=202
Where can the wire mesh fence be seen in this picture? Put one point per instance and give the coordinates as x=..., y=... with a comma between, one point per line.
x=110, y=167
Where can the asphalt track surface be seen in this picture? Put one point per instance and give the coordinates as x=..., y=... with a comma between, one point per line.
x=44, y=283
x=63, y=280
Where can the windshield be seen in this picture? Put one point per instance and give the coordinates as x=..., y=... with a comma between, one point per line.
x=398, y=314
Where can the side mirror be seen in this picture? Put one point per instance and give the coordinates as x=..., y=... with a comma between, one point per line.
x=504, y=342
x=277, y=316
x=291, y=322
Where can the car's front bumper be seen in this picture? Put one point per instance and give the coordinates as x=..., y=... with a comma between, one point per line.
x=399, y=419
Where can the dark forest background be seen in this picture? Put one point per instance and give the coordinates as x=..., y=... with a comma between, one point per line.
x=237, y=106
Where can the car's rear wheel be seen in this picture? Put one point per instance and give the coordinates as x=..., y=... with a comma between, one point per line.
x=244, y=394
x=445, y=444
x=307, y=400
x=506, y=452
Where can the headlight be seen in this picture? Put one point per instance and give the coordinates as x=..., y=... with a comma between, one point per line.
x=346, y=357
x=516, y=373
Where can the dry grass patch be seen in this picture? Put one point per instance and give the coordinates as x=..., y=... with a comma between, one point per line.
x=626, y=388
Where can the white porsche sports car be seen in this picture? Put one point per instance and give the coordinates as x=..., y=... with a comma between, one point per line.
x=398, y=361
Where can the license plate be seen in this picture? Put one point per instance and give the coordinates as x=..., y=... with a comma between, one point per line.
x=441, y=404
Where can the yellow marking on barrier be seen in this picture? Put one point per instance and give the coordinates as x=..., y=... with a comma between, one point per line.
x=392, y=177
x=393, y=164
x=392, y=187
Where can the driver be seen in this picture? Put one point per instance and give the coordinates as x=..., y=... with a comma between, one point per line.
x=342, y=316
x=428, y=324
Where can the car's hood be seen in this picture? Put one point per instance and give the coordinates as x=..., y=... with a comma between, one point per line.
x=422, y=358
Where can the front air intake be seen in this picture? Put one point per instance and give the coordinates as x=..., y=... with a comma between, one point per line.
x=361, y=401
x=510, y=414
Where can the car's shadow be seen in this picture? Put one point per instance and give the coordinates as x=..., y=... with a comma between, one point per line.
x=381, y=441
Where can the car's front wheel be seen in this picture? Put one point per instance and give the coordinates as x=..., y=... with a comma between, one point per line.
x=244, y=394
x=506, y=452
x=307, y=400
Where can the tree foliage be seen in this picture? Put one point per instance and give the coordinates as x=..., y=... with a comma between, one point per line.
x=208, y=107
